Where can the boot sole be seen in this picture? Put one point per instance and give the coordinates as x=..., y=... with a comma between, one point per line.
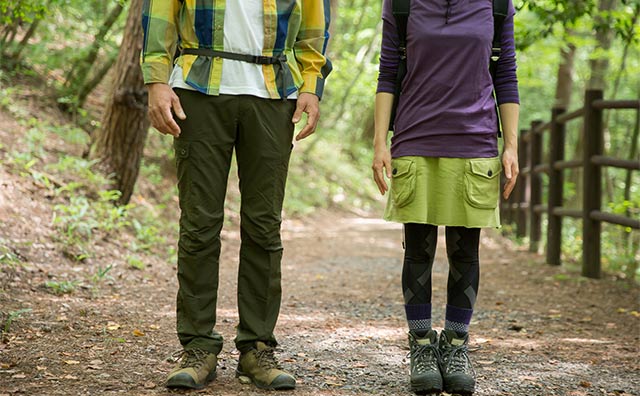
x=240, y=375
x=425, y=389
x=460, y=390
x=178, y=384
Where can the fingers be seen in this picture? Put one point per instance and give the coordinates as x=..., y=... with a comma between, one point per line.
x=380, y=167
x=169, y=124
x=508, y=188
x=162, y=100
x=511, y=173
x=310, y=127
x=297, y=115
x=177, y=108
x=307, y=103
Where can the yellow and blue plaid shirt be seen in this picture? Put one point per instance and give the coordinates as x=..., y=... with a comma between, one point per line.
x=297, y=28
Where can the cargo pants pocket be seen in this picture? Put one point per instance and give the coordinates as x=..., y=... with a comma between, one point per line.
x=403, y=181
x=482, y=182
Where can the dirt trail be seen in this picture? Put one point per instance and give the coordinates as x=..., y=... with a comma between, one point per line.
x=341, y=328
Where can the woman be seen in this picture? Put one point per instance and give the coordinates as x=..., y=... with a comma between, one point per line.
x=444, y=166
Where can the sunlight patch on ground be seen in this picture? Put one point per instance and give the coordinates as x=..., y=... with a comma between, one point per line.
x=586, y=341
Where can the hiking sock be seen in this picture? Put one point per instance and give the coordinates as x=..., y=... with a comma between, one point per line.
x=420, y=247
x=419, y=319
x=464, y=277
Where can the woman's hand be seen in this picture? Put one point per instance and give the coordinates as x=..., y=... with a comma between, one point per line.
x=381, y=166
x=511, y=170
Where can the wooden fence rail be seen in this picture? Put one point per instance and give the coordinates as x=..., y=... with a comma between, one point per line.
x=525, y=207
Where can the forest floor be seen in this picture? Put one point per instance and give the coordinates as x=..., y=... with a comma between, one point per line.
x=537, y=331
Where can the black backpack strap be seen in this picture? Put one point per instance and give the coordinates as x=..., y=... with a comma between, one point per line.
x=400, y=10
x=500, y=10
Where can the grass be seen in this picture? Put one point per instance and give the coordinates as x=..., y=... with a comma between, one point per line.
x=60, y=287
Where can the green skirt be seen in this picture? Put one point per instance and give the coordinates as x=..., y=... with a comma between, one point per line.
x=445, y=191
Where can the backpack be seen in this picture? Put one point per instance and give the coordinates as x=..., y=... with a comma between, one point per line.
x=400, y=10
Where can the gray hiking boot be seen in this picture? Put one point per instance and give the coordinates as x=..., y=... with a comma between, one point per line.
x=457, y=372
x=194, y=370
x=259, y=365
x=425, y=373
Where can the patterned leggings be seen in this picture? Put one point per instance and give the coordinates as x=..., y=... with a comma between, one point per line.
x=464, y=269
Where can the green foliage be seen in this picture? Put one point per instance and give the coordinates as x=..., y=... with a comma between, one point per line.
x=101, y=274
x=60, y=287
x=23, y=11
x=8, y=257
x=10, y=318
x=135, y=262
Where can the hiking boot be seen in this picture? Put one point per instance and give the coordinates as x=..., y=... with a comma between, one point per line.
x=425, y=373
x=457, y=372
x=261, y=367
x=196, y=368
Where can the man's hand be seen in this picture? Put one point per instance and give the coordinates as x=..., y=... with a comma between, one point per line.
x=162, y=101
x=511, y=170
x=307, y=103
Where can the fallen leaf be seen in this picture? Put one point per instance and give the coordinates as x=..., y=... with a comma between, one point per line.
x=635, y=313
x=585, y=384
x=112, y=326
x=137, y=333
x=622, y=310
x=149, y=385
x=19, y=376
x=4, y=366
x=72, y=362
x=154, y=327
x=41, y=368
x=70, y=377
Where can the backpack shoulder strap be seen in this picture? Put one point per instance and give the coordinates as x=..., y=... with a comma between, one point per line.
x=500, y=11
x=400, y=10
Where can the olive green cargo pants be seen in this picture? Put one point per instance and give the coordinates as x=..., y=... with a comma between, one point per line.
x=260, y=131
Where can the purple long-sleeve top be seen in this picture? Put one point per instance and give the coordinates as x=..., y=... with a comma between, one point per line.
x=446, y=106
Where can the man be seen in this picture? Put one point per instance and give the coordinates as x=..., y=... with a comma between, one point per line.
x=245, y=72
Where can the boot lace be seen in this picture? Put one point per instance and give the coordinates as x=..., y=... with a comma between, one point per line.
x=456, y=360
x=191, y=358
x=425, y=357
x=267, y=359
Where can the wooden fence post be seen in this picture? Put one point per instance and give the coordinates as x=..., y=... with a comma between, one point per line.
x=521, y=187
x=535, y=223
x=592, y=185
x=556, y=184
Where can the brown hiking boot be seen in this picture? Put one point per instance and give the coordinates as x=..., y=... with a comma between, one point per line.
x=261, y=367
x=196, y=368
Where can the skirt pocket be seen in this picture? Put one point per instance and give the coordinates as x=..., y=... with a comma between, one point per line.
x=482, y=182
x=403, y=181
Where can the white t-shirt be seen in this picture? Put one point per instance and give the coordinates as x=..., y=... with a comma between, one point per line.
x=243, y=21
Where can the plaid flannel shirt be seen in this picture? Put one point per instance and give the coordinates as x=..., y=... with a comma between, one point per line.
x=297, y=28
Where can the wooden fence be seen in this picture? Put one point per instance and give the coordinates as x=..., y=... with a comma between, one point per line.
x=525, y=206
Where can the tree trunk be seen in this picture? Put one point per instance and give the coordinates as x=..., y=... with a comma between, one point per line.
x=598, y=78
x=564, y=82
x=120, y=142
x=80, y=70
x=90, y=85
x=604, y=37
x=25, y=40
